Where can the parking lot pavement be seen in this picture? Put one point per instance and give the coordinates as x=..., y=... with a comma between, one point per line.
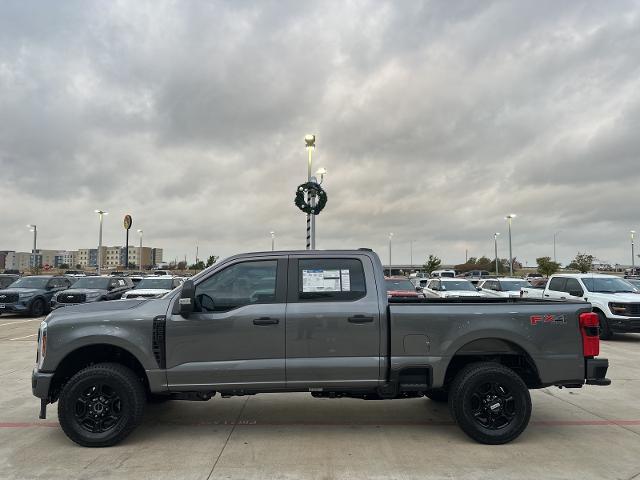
x=590, y=433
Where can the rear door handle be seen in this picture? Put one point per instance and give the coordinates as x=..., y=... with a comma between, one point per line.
x=265, y=321
x=546, y=294
x=360, y=319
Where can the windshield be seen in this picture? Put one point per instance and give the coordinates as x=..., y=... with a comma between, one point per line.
x=30, y=282
x=399, y=285
x=513, y=285
x=100, y=283
x=634, y=282
x=155, y=283
x=464, y=285
x=607, y=285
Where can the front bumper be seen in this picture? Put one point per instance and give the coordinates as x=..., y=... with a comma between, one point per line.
x=41, y=383
x=618, y=323
x=596, y=371
x=14, y=307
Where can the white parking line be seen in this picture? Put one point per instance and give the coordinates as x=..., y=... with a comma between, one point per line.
x=15, y=322
x=26, y=336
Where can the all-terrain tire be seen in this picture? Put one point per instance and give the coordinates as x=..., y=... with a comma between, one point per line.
x=101, y=404
x=490, y=403
x=605, y=330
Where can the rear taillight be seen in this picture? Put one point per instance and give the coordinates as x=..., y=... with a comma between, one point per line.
x=589, y=328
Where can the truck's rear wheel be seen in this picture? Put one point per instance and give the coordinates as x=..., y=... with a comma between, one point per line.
x=100, y=405
x=605, y=330
x=490, y=402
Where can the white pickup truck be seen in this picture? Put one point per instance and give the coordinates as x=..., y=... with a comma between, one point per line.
x=615, y=300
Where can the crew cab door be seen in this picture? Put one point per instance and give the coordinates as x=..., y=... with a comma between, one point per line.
x=235, y=337
x=332, y=322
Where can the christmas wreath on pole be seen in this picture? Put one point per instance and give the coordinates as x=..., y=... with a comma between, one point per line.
x=310, y=189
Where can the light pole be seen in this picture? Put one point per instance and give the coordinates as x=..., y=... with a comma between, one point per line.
x=510, y=217
x=310, y=142
x=555, y=235
x=633, y=260
x=411, y=255
x=101, y=213
x=495, y=246
x=140, y=232
x=273, y=240
x=34, y=229
x=390, y=237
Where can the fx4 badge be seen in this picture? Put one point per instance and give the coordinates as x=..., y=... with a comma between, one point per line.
x=535, y=319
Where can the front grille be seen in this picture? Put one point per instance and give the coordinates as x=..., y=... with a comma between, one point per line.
x=72, y=298
x=9, y=297
x=633, y=309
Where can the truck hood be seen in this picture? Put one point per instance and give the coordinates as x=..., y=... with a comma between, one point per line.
x=462, y=293
x=22, y=290
x=146, y=291
x=87, y=308
x=614, y=297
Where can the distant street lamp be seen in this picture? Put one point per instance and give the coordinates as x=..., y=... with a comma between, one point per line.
x=495, y=245
x=273, y=241
x=101, y=213
x=34, y=229
x=633, y=260
x=140, y=232
x=390, y=237
x=411, y=254
x=510, y=217
x=555, y=235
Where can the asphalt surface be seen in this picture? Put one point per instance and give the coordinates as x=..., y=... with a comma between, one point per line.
x=591, y=433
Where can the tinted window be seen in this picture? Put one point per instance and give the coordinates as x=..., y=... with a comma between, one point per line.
x=465, y=285
x=241, y=284
x=513, y=285
x=155, y=283
x=399, y=284
x=331, y=280
x=607, y=285
x=557, y=284
x=572, y=285
x=31, y=282
x=100, y=283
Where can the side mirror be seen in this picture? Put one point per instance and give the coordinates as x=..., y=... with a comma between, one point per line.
x=576, y=293
x=418, y=289
x=479, y=289
x=187, y=298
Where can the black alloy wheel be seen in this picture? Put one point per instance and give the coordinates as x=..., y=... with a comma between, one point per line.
x=102, y=404
x=490, y=403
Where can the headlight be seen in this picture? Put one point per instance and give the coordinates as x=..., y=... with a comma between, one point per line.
x=42, y=343
x=618, y=308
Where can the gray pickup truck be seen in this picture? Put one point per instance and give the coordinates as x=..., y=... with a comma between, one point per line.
x=309, y=321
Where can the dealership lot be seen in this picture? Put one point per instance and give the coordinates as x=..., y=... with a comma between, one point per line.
x=589, y=433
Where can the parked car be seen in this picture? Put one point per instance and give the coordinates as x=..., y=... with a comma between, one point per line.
x=503, y=287
x=530, y=276
x=152, y=287
x=7, y=279
x=451, y=287
x=443, y=273
x=475, y=276
x=32, y=295
x=419, y=282
x=92, y=289
x=75, y=273
x=614, y=299
x=401, y=287
x=309, y=321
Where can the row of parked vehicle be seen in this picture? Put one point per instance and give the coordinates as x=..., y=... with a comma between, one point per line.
x=38, y=294
x=615, y=300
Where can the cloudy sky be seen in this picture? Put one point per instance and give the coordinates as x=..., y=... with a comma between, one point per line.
x=433, y=119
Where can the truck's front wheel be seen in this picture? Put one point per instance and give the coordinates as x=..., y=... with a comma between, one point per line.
x=490, y=402
x=100, y=405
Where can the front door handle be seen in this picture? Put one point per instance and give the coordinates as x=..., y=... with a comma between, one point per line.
x=546, y=294
x=563, y=298
x=265, y=321
x=360, y=319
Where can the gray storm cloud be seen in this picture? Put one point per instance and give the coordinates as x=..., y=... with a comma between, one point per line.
x=433, y=119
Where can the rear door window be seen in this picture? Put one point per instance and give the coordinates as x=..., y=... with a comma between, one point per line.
x=557, y=284
x=330, y=280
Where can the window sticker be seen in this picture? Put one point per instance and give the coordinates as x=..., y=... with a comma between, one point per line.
x=345, y=280
x=319, y=280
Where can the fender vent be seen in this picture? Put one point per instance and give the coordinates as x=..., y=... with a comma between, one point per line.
x=158, y=340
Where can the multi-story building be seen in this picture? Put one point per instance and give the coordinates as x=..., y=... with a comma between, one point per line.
x=18, y=261
x=65, y=257
x=3, y=258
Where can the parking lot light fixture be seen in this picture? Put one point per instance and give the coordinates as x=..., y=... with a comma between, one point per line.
x=390, y=237
x=633, y=260
x=101, y=213
x=495, y=245
x=140, y=232
x=34, y=229
x=510, y=217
